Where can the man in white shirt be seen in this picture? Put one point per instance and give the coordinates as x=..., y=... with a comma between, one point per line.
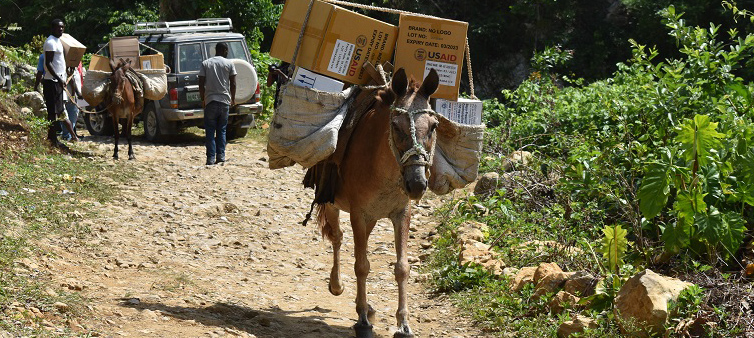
x=54, y=82
x=217, y=87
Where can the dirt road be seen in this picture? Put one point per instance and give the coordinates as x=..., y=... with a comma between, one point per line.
x=190, y=250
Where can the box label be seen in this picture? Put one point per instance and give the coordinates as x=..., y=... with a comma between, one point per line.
x=341, y=57
x=464, y=111
x=146, y=64
x=448, y=72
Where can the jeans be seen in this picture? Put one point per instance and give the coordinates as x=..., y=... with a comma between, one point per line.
x=53, y=95
x=73, y=115
x=215, y=125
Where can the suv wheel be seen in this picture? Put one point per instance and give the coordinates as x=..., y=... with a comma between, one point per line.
x=237, y=132
x=99, y=124
x=151, y=123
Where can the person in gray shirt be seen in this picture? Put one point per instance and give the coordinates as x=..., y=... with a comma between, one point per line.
x=217, y=87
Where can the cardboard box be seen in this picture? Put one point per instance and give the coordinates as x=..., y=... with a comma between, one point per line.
x=154, y=61
x=74, y=50
x=464, y=111
x=125, y=47
x=309, y=79
x=425, y=43
x=336, y=41
x=99, y=62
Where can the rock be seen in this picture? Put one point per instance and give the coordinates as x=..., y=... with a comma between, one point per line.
x=523, y=277
x=561, y=300
x=550, y=283
x=26, y=111
x=61, y=307
x=578, y=325
x=545, y=269
x=581, y=284
x=487, y=184
x=34, y=101
x=644, y=299
x=472, y=232
x=517, y=158
x=24, y=74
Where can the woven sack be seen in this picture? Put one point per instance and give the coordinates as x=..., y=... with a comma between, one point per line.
x=457, y=154
x=154, y=82
x=95, y=88
x=305, y=126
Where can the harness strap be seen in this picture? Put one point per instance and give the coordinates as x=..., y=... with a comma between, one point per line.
x=424, y=158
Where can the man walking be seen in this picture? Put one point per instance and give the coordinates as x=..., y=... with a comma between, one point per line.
x=217, y=87
x=54, y=82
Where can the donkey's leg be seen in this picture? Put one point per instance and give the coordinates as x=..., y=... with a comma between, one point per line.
x=361, y=231
x=332, y=231
x=116, y=136
x=401, y=221
x=128, y=125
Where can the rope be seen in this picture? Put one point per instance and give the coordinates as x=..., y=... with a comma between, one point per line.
x=157, y=51
x=101, y=48
x=300, y=38
x=397, y=11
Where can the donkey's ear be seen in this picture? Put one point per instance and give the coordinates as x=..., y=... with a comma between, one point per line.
x=429, y=86
x=399, y=84
x=113, y=66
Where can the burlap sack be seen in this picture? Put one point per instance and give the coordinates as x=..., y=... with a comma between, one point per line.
x=154, y=82
x=305, y=126
x=457, y=154
x=96, y=85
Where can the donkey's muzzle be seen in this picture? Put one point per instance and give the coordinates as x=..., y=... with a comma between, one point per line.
x=415, y=182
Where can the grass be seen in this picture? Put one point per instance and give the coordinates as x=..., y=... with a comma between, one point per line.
x=44, y=193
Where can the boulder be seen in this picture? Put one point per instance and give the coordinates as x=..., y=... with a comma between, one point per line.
x=644, y=299
x=550, y=283
x=487, y=184
x=34, y=101
x=517, y=158
x=577, y=325
x=472, y=232
x=546, y=269
x=561, y=300
x=24, y=74
x=581, y=283
x=523, y=277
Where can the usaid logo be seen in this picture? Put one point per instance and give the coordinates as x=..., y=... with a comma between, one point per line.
x=361, y=41
x=420, y=54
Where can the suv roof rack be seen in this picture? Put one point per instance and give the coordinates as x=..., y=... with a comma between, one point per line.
x=187, y=26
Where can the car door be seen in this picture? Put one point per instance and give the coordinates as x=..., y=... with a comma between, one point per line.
x=189, y=61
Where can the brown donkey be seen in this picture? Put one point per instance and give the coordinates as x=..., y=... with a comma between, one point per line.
x=124, y=102
x=386, y=165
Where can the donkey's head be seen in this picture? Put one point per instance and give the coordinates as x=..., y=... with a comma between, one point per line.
x=412, y=129
x=118, y=78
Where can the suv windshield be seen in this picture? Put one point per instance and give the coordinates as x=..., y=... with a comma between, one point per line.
x=235, y=50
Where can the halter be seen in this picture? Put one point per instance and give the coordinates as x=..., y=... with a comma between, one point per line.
x=423, y=157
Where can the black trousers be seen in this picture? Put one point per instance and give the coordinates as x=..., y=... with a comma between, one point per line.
x=53, y=95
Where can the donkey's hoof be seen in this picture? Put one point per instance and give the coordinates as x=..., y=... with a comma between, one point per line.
x=363, y=331
x=335, y=291
x=131, y=158
x=401, y=334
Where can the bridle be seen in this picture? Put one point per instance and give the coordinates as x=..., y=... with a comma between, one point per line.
x=423, y=157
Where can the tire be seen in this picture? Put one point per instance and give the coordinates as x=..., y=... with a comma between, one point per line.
x=152, y=130
x=99, y=124
x=237, y=132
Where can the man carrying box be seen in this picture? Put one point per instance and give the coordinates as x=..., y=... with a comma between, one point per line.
x=54, y=82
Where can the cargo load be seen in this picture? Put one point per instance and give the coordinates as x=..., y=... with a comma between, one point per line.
x=305, y=78
x=463, y=111
x=428, y=42
x=336, y=42
x=74, y=50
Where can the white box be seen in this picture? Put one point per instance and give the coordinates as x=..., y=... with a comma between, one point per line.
x=464, y=111
x=309, y=79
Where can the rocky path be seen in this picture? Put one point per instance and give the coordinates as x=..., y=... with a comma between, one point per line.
x=190, y=250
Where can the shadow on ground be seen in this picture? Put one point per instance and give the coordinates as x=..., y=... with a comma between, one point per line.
x=261, y=323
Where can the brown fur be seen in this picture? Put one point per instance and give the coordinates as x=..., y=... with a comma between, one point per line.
x=372, y=185
x=123, y=103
